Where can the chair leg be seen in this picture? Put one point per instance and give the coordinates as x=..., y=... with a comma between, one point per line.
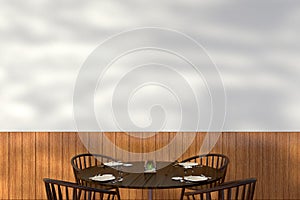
x=118, y=194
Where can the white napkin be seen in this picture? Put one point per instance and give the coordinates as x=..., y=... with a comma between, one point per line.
x=113, y=164
x=188, y=164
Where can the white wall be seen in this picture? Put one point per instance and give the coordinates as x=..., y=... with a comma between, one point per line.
x=255, y=45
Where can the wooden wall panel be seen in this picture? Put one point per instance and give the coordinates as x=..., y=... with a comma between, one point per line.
x=268, y=165
x=122, y=142
x=56, y=155
x=4, y=172
x=80, y=148
x=193, y=148
x=242, y=155
x=293, y=166
x=281, y=156
x=15, y=166
x=42, y=163
x=109, y=149
x=256, y=159
x=68, y=151
x=228, y=148
x=273, y=158
x=28, y=166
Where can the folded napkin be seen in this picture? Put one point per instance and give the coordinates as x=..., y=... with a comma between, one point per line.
x=113, y=164
x=188, y=164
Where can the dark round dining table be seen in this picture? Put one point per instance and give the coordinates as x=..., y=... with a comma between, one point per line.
x=133, y=176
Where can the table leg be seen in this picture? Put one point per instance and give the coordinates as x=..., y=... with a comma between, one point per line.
x=182, y=193
x=150, y=193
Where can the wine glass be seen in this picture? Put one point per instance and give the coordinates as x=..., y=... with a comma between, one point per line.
x=120, y=171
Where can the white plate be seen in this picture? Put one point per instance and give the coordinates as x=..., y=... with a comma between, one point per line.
x=188, y=164
x=104, y=177
x=195, y=178
x=113, y=164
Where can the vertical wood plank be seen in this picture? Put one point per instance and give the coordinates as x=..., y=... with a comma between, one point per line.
x=95, y=143
x=268, y=177
x=177, y=149
x=218, y=146
x=149, y=145
x=69, y=150
x=56, y=155
x=242, y=155
x=297, y=138
x=15, y=165
x=28, y=166
x=4, y=155
x=122, y=143
x=192, y=149
x=109, y=147
x=281, y=164
x=294, y=167
x=256, y=159
x=80, y=140
x=228, y=148
x=42, y=163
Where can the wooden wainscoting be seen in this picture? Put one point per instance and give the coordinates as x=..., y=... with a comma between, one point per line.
x=273, y=158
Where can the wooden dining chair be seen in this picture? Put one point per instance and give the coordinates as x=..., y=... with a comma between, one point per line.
x=216, y=161
x=234, y=190
x=62, y=190
x=83, y=161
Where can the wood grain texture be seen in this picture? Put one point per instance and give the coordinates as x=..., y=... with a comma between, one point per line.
x=229, y=149
x=42, y=163
x=255, y=153
x=4, y=172
x=268, y=166
x=293, y=166
x=282, y=143
x=28, y=166
x=56, y=155
x=68, y=151
x=242, y=155
x=273, y=158
x=15, y=166
x=80, y=148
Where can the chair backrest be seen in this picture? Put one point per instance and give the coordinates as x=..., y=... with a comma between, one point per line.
x=217, y=161
x=82, y=161
x=62, y=190
x=234, y=190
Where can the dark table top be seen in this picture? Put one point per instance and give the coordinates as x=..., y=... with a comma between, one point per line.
x=162, y=179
